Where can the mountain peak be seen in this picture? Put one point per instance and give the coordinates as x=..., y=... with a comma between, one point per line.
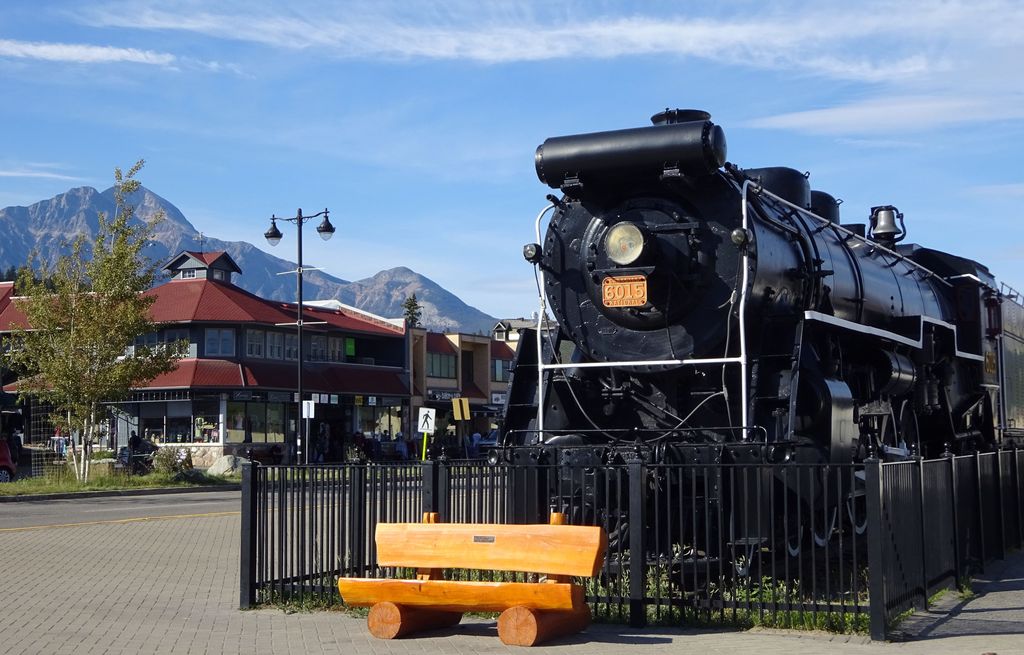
x=46, y=226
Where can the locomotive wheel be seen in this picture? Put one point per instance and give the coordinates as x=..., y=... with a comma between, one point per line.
x=853, y=508
x=793, y=548
x=820, y=540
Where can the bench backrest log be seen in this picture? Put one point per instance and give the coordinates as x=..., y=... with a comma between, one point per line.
x=552, y=549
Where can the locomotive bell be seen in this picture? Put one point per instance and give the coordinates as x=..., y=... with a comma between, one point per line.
x=883, y=224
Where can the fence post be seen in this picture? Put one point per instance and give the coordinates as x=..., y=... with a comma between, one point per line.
x=958, y=556
x=444, y=496
x=979, y=509
x=1002, y=503
x=1018, y=489
x=428, y=470
x=923, y=511
x=876, y=552
x=247, y=576
x=358, y=528
x=637, y=553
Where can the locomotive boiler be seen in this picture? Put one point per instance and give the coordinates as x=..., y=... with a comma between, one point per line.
x=698, y=304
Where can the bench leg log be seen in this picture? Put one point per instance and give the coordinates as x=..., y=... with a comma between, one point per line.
x=522, y=626
x=390, y=621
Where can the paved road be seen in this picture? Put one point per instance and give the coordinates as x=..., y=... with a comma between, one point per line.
x=73, y=582
x=115, y=508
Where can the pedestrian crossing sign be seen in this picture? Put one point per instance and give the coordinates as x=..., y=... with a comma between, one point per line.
x=425, y=421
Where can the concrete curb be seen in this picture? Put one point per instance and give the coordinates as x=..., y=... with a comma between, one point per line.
x=155, y=491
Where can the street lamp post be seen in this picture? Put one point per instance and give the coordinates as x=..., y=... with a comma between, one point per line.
x=273, y=235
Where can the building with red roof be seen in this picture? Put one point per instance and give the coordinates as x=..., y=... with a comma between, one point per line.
x=235, y=388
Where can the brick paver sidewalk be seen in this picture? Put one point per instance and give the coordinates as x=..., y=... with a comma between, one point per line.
x=171, y=586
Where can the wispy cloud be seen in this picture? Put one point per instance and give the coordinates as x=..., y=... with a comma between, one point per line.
x=79, y=53
x=829, y=40
x=1011, y=190
x=904, y=114
x=38, y=174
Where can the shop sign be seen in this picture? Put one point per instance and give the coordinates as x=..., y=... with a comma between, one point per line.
x=371, y=401
x=241, y=395
x=442, y=394
x=279, y=396
x=498, y=397
x=359, y=400
x=334, y=399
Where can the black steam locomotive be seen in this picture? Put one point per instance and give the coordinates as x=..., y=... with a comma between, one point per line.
x=700, y=304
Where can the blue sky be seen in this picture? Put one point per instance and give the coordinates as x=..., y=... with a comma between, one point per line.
x=416, y=122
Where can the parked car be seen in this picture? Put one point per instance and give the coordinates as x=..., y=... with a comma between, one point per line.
x=8, y=467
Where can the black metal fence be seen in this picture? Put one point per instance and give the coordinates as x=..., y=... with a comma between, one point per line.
x=840, y=547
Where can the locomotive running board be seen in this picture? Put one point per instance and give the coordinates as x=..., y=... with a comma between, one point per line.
x=917, y=343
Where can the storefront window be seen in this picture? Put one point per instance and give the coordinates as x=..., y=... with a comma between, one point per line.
x=255, y=422
x=256, y=413
x=236, y=422
x=153, y=429
x=275, y=422
x=206, y=422
x=178, y=430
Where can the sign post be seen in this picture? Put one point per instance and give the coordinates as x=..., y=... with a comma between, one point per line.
x=308, y=412
x=425, y=424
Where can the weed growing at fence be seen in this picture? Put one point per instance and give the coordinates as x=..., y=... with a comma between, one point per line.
x=61, y=481
x=292, y=603
x=737, y=603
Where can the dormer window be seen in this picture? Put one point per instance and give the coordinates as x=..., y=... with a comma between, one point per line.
x=189, y=265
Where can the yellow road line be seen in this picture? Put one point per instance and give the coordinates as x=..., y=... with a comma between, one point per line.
x=115, y=521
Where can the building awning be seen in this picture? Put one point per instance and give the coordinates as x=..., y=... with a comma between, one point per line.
x=226, y=374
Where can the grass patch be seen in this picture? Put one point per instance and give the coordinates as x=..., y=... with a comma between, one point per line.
x=965, y=591
x=64, y=482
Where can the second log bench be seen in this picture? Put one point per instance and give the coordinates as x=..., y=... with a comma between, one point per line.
x=531, y=612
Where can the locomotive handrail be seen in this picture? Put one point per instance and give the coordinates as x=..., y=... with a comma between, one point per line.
x=850, y=233
x=648, y=362
x=975, y=278
x=664, y=431
x=742, y=359
x=1009, y=291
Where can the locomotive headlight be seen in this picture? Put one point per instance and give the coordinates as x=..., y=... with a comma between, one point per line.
x=624, y=243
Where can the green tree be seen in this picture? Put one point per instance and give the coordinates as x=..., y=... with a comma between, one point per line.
x=84, y=314
x=413, y=311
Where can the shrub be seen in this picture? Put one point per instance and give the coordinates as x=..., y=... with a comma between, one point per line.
x=172, y=460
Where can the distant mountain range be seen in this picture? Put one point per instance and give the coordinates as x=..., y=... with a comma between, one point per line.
x=47, y=225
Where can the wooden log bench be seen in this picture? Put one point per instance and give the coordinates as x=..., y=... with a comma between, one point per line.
x=531, y=612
